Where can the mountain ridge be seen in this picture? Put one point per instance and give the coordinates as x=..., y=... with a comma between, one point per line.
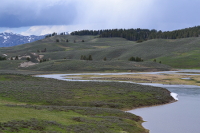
x=9, y=39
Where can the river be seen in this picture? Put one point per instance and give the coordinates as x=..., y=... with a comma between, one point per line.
x=179, y=117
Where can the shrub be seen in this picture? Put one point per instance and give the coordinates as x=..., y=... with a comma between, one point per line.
x=2, y=58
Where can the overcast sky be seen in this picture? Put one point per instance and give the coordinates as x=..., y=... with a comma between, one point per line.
x=47, y=16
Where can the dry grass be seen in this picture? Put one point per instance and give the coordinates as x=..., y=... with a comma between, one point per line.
x=148, y=78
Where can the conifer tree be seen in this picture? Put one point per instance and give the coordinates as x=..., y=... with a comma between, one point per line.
x=90, y=57
x=16, y=58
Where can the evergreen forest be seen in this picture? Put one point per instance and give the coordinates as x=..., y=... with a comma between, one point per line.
x=142, y=34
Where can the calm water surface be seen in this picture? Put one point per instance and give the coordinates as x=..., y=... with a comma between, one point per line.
x=182, y=116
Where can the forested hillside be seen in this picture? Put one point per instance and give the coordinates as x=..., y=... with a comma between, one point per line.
x=142, y=34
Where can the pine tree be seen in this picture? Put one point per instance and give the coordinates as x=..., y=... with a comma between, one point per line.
x=84, y=57
x=90, y=57
x=132, y=58
x=28, y=59
x=16, y=58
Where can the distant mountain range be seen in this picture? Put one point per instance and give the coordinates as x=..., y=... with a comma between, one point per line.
x=11, y=39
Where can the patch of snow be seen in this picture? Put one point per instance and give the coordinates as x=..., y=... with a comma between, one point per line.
x=29, y=39
x=174, y=95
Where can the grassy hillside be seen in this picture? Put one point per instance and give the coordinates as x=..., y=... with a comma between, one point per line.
x=178, y=53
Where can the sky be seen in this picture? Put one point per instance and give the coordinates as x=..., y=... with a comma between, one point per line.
x=40, y=17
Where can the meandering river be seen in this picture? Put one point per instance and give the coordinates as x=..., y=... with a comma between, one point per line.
x=182, y=116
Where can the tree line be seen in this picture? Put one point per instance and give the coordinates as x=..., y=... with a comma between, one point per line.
x=142, y=34
x=137, y=59
x=87, y=32
x=55, y=34
x=83, y=57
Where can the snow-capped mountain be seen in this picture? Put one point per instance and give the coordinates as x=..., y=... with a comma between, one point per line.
x=11, y=39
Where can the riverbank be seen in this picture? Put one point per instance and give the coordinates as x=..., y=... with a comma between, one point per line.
x=170, y=102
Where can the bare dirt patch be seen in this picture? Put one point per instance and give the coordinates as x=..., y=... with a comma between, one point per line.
x=27, y=64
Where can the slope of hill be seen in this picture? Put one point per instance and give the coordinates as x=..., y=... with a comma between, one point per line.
x=11, y=39
x=64, y=50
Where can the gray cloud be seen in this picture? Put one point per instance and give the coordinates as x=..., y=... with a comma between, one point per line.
x=100, y=14
x=176, y=14
x=29, y=13
x=151, y=14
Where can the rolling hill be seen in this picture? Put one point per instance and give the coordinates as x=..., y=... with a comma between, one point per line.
x=63, y=53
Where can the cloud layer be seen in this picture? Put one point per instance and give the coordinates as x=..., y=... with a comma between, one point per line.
x=42, y=16
x=33, y=12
